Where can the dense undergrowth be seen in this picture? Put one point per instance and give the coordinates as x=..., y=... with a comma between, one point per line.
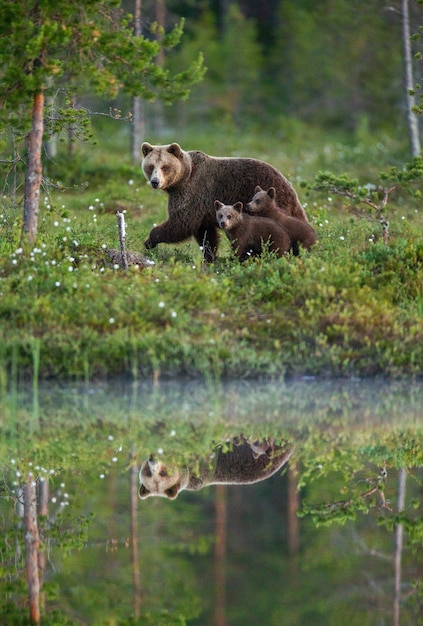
x=353, y=307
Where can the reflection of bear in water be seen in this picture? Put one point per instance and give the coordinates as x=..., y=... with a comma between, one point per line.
x=245, y=463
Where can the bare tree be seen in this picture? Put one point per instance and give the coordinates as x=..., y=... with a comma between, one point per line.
x=158, y=116
x=409, y=85
x=293, y=508
x=138, y=120
x=34, y=169
x=220, y=555
x=133, y=482
x=399, y=541
x=32, y=544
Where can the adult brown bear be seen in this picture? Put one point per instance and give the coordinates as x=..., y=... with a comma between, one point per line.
x=193, y=180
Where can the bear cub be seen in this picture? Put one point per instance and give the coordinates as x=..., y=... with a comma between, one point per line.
x=263, y=204
x=248, y=234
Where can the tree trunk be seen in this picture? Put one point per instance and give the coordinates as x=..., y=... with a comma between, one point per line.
x=293, y=507
x=32, y=542
x=399, y=541
x=138, y=122
x=133, y=478
x=158, y=113
x=34, y=171
x=220, y=555
x=410, y=100
x=51, y=141
x=43, y=497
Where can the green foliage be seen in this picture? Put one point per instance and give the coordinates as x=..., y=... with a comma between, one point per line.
x=233, y=92
x=155, y=618
x=418, y=90
x=82, y=44
x=346, y=87
x=351, y=307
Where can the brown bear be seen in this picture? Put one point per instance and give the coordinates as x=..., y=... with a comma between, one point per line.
x=248, y=234
x=193, y=180
x=245, y=463
x=264, y=204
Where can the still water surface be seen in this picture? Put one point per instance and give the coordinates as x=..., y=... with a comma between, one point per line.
x=324, y=525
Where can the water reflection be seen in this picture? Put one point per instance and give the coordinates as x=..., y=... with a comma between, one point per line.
x=237, y=462
x=332, y=535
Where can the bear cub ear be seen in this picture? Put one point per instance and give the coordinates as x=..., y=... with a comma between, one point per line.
x=218, y=205
x=238, y=207
x=257, y=189
x=271, y=193
x=146, y=148
x=175, y=149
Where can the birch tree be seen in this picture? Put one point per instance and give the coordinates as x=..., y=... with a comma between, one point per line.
x=409, y=83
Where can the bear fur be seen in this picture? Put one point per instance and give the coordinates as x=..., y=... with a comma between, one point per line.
x=245, y=463
x=264, y=204
x=248, y=234
x=193, y=180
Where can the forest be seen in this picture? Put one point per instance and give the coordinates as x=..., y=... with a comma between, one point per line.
x=336, y=65
x=316, y=89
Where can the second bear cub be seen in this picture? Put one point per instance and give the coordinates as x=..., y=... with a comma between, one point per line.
x=248, y=234
x=263, y=204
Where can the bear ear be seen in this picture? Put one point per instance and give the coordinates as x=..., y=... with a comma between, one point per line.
x=271, y=193
x=175, y=149
x=146, y=148
x=143, y=492
x=218, y=205
x=172, y=492
x=238, y=207
x=257, y=189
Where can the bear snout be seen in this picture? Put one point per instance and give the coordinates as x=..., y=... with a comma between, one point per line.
x=154, y=183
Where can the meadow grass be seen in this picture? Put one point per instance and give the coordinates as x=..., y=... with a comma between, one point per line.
x=352, y=307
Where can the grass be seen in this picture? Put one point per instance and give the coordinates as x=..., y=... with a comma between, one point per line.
x=353, y=307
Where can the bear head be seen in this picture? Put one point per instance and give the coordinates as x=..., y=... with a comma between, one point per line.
x=158, y=479
x=262, y=201
x=165, y=166
x=228, y=215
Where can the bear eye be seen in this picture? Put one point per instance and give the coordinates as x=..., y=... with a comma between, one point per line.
x=165, y=168
x=148, y=472
x=257, y=201
x=163, y=473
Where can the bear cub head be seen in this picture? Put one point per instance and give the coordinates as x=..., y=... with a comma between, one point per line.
x=228, y=216
x=165, y=166
x=262, y=202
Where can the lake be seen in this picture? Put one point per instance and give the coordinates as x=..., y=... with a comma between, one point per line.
x=259, y=503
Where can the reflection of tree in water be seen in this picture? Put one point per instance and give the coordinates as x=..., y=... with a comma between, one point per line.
x=34, y=527
x=394, y=516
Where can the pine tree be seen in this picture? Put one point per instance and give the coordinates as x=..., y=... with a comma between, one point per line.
x=78, y=41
